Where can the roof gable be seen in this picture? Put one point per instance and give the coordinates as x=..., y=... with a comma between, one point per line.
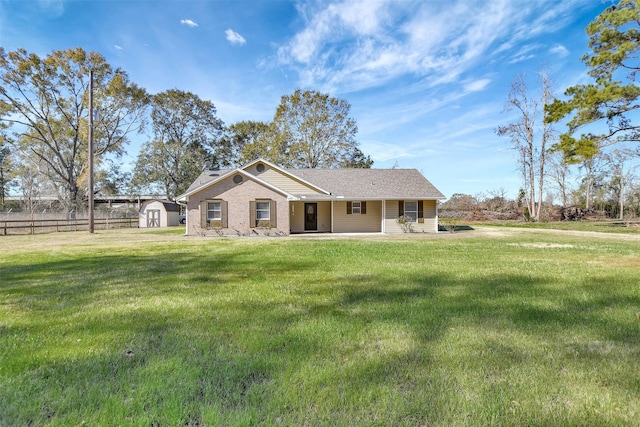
x=283, y=178
x=211, y=177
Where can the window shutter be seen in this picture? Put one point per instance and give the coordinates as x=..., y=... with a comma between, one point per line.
x=349, y=208
x=273, y=215
x=420, y=212
x=223, y=214
x=203, y=214
x=252, y=214
x=363, y=208
x=400, y=207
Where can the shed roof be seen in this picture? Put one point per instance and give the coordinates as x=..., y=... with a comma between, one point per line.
x=169, y=206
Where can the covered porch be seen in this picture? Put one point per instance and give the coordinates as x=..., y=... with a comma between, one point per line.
x=336, y=216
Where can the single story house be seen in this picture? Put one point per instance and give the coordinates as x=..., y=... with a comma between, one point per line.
x=263, y=198
x=159, y=213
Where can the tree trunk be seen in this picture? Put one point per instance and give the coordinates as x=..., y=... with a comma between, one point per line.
x=621, y=197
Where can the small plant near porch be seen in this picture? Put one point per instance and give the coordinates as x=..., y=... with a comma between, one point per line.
x=406, y=223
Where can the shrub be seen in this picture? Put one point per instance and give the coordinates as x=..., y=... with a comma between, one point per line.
x=406, y=223
x=450, y=223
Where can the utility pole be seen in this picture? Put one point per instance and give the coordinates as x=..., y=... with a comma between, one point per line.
x=90, y=183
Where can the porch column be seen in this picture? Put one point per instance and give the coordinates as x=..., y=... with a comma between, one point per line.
x=332, y=216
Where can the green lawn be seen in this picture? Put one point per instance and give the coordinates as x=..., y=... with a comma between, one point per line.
x=613, y=226
x=128, y=327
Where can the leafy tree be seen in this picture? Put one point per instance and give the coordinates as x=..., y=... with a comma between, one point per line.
x=615, y=46
x=111, y=179
x=309, y=129
x=44, y=101
x=246, y=141
x=32, y=185
x=313, y=130
x=186, y=133
x=357, y=159
x=523, y=133
x=7, y=168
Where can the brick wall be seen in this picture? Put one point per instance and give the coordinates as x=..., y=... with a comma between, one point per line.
x=237, y=197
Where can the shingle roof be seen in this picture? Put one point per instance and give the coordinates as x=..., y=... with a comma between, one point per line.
x=352, y=183
x=207, y=176
x=371, y=183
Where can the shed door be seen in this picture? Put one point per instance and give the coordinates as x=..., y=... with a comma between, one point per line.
x=153, y=218
x=311, y=216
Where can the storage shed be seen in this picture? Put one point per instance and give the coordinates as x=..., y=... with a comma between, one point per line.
x=159, y=213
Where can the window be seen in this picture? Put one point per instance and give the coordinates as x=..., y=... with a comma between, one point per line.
x=262, y=210
x=357, y=208
x=262, y=214
x=214, y=211
x=213, y=214
x=411, y=210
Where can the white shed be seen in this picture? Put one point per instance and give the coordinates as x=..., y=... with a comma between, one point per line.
x=159, y=213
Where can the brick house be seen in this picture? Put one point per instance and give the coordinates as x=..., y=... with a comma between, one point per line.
x=263, y=198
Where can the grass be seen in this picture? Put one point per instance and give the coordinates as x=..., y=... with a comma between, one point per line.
x=131, y=327
x=613, y=226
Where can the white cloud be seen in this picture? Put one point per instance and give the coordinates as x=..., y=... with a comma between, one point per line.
x=188, y=22
x=352, y=45
x=559, y=50
x=476, y=85
x=234, y=38
x=117, y=47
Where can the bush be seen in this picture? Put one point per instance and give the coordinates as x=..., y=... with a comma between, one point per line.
x=450, y=223
x=406, y=223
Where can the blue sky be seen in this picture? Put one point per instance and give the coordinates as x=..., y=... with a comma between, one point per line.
x=427, y=80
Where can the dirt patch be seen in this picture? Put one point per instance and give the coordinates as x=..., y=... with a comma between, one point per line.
x=541, y=245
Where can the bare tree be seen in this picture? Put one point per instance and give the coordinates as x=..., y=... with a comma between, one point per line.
x=594, y=169
x=530, y=137
x=621, y=174
x=559, y=173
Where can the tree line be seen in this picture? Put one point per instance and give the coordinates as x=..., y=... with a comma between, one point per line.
x=44, y=131
x=594, y=162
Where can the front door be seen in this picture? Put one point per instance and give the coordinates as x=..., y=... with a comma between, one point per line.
x=310, y=217
x=153, y=218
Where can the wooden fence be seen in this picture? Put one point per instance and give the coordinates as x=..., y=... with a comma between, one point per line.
x=33, y=226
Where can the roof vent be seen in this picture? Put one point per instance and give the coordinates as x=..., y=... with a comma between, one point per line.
x=260, y=167
x=237, y=179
